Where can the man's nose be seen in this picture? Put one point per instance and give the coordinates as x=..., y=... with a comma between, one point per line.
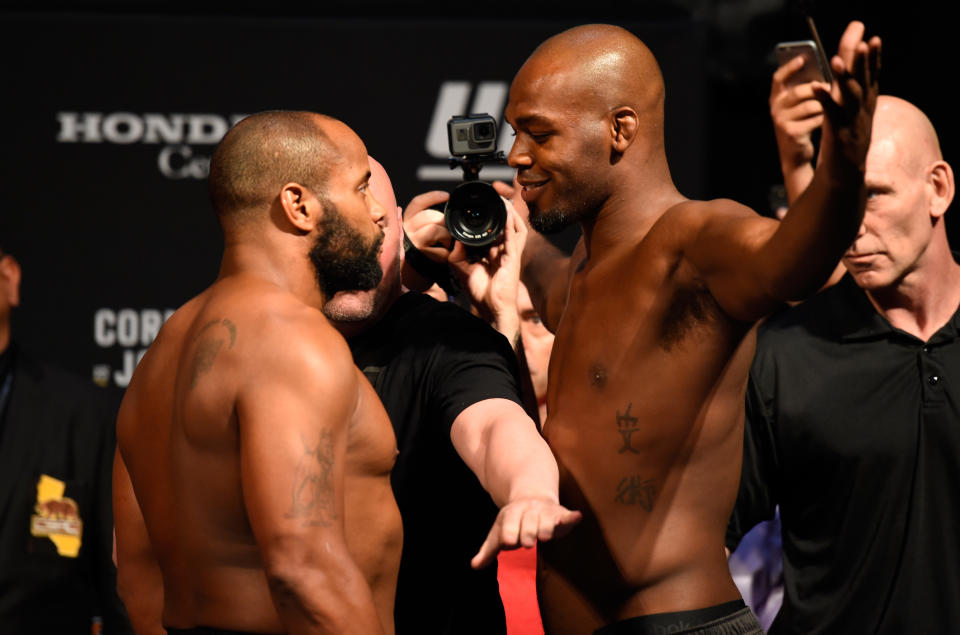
x=519, y=156
x=377, y=212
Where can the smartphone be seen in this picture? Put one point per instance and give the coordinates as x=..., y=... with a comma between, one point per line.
x=812, y=67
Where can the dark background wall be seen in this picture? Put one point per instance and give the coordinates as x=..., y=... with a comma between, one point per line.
x=111, y=111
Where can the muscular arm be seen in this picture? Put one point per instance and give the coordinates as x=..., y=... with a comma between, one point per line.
x=139, y=581
x=751, y=264
x=501, y=445
x=293, y=420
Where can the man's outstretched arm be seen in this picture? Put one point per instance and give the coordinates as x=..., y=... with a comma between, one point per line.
x=500, y=443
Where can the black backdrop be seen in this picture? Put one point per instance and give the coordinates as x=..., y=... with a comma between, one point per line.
x=110, y=117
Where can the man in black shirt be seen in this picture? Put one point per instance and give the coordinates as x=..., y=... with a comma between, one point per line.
x=449, y=383
x=56, y=521
x=853, y=412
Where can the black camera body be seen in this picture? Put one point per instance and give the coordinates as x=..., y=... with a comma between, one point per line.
x=475, y=214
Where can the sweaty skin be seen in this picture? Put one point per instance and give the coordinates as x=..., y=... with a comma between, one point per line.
x=653, y=318
x=252, y=476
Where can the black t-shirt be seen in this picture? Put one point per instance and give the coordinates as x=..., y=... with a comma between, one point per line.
x=853, y=428
x=428, y=361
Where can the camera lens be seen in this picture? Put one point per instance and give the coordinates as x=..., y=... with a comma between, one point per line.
x=483, y=131
x=475, y=214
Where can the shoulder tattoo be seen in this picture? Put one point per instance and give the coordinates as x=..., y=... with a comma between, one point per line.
x=209, y=343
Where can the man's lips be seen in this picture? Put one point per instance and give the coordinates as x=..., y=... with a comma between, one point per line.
x=860, y=258
x=530, y=189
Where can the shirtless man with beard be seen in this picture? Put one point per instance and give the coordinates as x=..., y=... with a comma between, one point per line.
x=653, y=317
x=251, y=486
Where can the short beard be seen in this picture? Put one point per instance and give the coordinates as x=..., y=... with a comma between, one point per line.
x=341, y=259
x=551, y=221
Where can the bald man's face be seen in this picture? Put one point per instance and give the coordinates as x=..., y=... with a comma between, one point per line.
x=897, y=225
x=559, y=151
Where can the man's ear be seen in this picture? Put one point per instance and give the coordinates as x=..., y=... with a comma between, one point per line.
x=626, y=123
x=10, y=280
x=301, y=206
x=940, y=181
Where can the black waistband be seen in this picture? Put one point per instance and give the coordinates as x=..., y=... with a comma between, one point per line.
x=676, y=622
x=205, y=630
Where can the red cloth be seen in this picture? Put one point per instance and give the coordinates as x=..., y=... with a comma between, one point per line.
x=517, y=575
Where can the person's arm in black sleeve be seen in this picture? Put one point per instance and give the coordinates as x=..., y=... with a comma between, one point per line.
x=758, y=495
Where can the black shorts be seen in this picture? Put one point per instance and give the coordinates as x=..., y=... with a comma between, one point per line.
x=204, y=630
x=729, y=618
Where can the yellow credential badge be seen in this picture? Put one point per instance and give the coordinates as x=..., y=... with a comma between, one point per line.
x=57, y=518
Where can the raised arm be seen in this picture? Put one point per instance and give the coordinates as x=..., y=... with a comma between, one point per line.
x=501, y=445
x=293, y=420
x=751, y=264
x=139, y=581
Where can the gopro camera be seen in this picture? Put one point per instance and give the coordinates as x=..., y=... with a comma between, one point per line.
x=475, y=214
x=472, y=135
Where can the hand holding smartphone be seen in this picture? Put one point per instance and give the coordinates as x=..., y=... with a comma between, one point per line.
x=812, y=69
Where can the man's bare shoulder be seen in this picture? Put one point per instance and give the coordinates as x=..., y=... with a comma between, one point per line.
x=254, y=332
x=281, y=334
x=691, y=216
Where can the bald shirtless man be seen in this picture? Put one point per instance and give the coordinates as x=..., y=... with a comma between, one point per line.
x=251, y=486
x=653, y=318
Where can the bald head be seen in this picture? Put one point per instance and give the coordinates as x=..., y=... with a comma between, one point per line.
x=265, y=151
x=603, y=65
x=902, y=129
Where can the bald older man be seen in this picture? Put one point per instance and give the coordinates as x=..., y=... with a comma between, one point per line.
x=251, y=487
x=653, y=317
x=853, y=412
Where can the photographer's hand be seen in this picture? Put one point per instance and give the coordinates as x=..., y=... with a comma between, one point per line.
x=493, y=282
x=426, y=231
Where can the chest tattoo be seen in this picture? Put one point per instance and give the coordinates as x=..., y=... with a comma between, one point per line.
x=636, y=490
x=627, y=425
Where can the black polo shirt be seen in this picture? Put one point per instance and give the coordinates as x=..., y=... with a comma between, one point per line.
x=428, y=361
x=853, y=428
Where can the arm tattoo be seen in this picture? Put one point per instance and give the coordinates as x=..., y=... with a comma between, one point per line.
x=312, y=498
x=207, y=348
x=627, y=425
x=635, y=490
